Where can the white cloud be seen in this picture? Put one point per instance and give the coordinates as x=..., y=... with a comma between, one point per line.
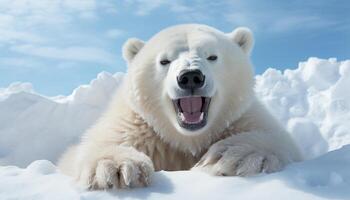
x=6, y=20
x=300, y=22
x=108, y=7
x=9, y=63
x=144, y=7
x=87, y=9
x=12, y=31
x=273, y=22
x=115, y=33
x=11, y=36
x=72, y=53
x=80, y=5
x=47, y=12
x=275, y=18
x=266, y=16
x=51, y=29
x=32, y=15
x=23, y=63
x=46, y=7
x=29, y=13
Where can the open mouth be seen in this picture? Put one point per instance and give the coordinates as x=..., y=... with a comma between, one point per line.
x=192, y=112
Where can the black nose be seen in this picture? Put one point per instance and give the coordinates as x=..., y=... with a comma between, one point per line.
x=190, y=79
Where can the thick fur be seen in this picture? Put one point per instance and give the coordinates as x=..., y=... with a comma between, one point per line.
x=139, y=133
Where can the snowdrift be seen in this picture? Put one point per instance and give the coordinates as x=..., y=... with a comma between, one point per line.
x=311, y=101
x=35, y=127
x=324, y=178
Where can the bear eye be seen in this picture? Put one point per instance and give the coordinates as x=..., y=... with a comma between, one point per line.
x=212, y=58
x=164, y=62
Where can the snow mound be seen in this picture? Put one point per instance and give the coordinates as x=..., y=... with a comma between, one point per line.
x=16, y=87
x=312, y=101
x=35, y=127
x=326, y=177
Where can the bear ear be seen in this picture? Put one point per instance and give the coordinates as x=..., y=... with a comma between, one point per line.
x=131, y=47
x=244, y=38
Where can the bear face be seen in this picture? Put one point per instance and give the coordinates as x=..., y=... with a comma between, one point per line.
x=190, y=80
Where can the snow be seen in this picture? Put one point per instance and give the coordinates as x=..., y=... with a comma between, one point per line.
x=311, y=101
x=48, y=122
x=326, y=177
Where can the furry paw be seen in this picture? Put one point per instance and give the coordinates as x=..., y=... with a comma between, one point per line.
x=238, y=160
x=125, y=174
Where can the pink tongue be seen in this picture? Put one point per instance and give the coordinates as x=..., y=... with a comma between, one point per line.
x=191, y=108
x=191, y=104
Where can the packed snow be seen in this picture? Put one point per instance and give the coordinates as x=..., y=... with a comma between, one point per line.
x=49, y=123
x=311, y=101
x=326, y=177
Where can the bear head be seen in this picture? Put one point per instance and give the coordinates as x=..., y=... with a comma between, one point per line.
x=190, y=81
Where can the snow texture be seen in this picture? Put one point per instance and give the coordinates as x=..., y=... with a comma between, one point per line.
x=312, y=102
x=35, y=127
x=326, y=177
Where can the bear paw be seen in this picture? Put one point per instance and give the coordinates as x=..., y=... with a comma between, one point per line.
x=109, y=173
x=238, y=160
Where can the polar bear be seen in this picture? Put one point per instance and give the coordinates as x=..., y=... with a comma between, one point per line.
x=187, y=102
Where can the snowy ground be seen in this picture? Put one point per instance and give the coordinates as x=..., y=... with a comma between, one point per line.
x=312, y=101
x=324, y=178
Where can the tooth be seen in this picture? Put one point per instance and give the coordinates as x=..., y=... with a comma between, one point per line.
x=182, y=117
x=201, y=117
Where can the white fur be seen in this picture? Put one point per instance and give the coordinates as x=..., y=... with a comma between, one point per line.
x=131, y=47
x=139, y=132
x=265, y=148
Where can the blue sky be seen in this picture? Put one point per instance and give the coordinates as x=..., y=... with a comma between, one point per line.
x=60, y=44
